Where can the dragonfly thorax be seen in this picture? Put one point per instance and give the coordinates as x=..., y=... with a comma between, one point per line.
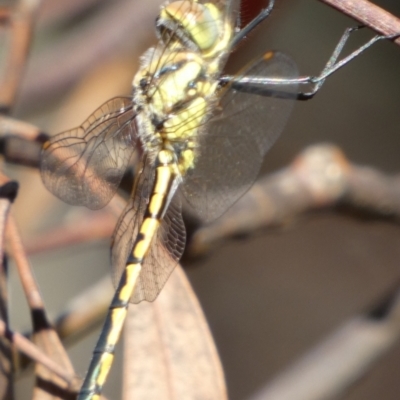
x=174, y=90
x=173, y=94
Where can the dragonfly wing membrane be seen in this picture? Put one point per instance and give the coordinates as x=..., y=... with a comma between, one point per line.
x=129, y=222
x=232, y=146
x=85, y=165
x=166, y=248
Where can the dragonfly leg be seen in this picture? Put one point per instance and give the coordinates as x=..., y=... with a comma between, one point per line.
x=275, y=87
x=333, y=65
x=262, y=16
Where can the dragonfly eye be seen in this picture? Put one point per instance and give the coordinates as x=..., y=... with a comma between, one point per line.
x=196, y=26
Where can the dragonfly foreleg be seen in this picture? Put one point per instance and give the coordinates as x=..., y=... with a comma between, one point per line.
x=262, y=16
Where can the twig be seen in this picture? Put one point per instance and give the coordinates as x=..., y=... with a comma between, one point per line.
x=320, y=177
x=28, y=282
x=35, y=353
x=89, y=227
x=369, y=15
x=116, y=22
x=8, y=192
x=85, y=310
x=56, y=11
x=340, y=360
x=5, y=14
x=22, y=22
x=92, y=226
x=12, y=126
x=44, y=335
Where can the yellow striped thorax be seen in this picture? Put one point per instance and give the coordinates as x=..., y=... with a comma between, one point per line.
x=174, y=90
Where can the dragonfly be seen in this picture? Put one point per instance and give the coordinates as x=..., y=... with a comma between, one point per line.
x=200, y=135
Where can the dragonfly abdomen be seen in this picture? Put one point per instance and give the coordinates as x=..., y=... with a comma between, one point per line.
x=165, y=177
x=165, y=184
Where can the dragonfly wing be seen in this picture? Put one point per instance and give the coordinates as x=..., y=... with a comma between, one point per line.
x=233, y=144
x=130, y=220
x=166, y=250
x=85, y=165
x=167, y=246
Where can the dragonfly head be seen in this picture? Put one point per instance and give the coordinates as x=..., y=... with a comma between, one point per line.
x=194, y=26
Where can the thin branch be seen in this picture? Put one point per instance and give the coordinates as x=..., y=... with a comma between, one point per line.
x=89, y=227
x=320, y=177
x=24, y=268
x=92, y=226
x=5, y=14
x=86, y=310
x=43, y=334
x=20, y=142
x=22, y=22
x=116, y=22
x=12, y=126
x=35, y=353
x=342, y=359
x=63, y=10
x=8, y=192
x=369, y=15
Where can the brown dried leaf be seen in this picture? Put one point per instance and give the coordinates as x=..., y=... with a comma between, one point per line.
x=169, y=351
x=48, y=385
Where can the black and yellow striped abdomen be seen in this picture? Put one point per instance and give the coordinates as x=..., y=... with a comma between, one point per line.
x=103, y=355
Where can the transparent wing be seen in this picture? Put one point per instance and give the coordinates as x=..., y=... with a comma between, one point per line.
x=85, y=165
x=233, y=143
x=166, y=249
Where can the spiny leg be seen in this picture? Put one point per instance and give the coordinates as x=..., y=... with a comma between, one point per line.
x=275, y=87
x=262, y=16
x=333, y=65
x=330, y=64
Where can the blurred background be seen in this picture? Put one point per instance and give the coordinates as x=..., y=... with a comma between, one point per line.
x=269, y=298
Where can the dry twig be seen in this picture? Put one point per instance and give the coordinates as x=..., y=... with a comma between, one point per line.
x=8, y=192
x=22, y=21
x=342, y=359
x=43, y=334
x=35, y=353
x=116, y=22
x=369, y=15
x=320, y=177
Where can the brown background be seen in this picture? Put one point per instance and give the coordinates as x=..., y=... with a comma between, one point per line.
x=270, y=298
